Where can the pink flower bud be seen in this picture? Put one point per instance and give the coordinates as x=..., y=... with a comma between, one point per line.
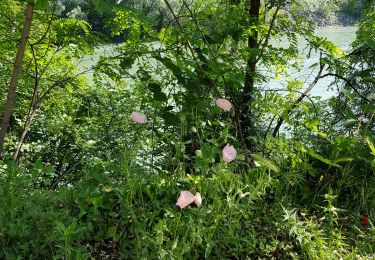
x=138, y=117
x=229, y=153
x=224, y=104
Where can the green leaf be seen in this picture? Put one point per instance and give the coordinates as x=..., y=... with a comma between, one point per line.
x=343, y=159
x=158, y=95
x=42, y=4
x=126, y=63
x=97, y=201
x=265, y=162
x=170, y=118
x=371, y=42
x=363, y=73
x=321, y=158
x=314, y=127
x=101, y=6
x=371, y=145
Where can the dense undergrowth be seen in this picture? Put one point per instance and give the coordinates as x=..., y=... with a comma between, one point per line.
x=309, y=210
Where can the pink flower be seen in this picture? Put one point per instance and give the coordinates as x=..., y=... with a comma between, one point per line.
x=224, y=104
x=185, y=199
x=198, y=199
x=229, y=153
x=138, y=117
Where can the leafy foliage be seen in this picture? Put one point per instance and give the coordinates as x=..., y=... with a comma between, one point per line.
x=89, y=180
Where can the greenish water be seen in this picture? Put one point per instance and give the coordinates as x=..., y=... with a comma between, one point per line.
x=341, y=36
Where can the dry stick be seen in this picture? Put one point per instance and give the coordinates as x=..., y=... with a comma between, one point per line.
x=48, y=27
x=35, y=102
x=15, y=76
x=304, y=94
x=209, y=48
x=205, y=41
x=193, y=53
x=60, y=48
x=26, y=129
x=34, y=106
x=12, y=23
x=60, y=81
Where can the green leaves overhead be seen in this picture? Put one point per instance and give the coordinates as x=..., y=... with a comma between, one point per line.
x=41, y=4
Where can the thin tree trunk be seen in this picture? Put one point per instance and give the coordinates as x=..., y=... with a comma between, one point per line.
x=248, y=90
x=15, y=76
x=24, y=133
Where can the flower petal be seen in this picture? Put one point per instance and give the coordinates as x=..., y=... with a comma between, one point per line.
x=224, y=104
x=185, y=199
x=229, y=153
x=138, y=117
x=198, y=199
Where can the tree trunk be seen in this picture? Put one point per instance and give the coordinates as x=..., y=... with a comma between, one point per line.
x=26, y=129
x=15, y=76
x=248, y=90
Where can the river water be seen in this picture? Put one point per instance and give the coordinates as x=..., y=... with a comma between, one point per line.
x=342, y=37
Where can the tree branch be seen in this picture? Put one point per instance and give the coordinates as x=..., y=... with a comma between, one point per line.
x=347, y=82
x=269, y=31
x=304, y=94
